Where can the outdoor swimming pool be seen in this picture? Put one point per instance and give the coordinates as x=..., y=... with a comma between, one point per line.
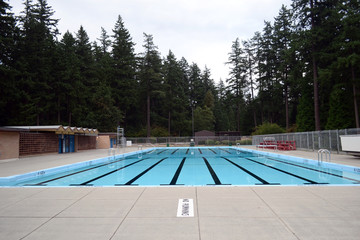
x=193, y=166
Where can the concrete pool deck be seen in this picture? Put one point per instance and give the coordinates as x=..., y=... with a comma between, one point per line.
x=256, y=212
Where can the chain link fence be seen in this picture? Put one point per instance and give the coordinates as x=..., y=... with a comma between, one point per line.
x=199, y=141
x=327, y=139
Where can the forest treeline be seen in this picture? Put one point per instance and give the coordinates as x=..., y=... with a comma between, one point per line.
x=301, y=71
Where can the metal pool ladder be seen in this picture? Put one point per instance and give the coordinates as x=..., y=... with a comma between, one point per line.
x=140, y=151
x=325, y=152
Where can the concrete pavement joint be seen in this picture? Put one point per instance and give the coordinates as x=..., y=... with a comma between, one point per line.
x=197, y=211
x=281, y=220
x=57, y=214
x=127, y=214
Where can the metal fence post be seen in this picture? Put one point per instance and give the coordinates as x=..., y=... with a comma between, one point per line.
x=307, y=139
x=337, y=141
x=313, y=141
x=330, y=140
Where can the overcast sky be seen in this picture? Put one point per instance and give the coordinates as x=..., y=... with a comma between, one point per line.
x=202, y=31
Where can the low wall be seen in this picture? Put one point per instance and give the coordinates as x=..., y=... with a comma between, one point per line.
x=9, y=145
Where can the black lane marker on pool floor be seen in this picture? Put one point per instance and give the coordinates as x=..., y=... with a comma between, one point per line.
x=108, y=173
x=187, y=151
x=280, y=170
x=162, y=151
x=316, y=170
x=200, y=150
x=225, y=150
x=212, y=151
x=174, y=151
x=177, y=173
x=85, y=170
x=212, y=172
x=138, y=176
x=247, y=171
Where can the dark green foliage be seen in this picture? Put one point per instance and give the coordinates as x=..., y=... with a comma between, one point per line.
x=305, y=116
x=340, y=112
x=176, y=101
x=37, y=49
x=152, y=87
x=203, y=119
x=123, y=68
x=8, y=87
x=268, y=128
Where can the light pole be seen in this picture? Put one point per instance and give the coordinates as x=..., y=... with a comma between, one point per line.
x=192, y=119
x=192, y=116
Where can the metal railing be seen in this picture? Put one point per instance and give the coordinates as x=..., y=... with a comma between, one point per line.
x=327, y=139
x=326, y=153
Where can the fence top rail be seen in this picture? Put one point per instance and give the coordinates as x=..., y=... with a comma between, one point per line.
x=347, y=131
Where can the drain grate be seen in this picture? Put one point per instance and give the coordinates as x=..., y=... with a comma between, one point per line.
x=185, y=207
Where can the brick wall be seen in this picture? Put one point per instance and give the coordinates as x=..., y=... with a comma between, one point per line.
x=86, y=142
x=103, y=142
x=35, y=143
x=9, y=145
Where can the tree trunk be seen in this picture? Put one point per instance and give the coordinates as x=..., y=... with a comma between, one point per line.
x=238, y=117
x=148, y=130
x=316, y=98
x=69, y=118
x=286, y=107
x=315, y=75
x=169, y=123
x=254, y=112
x=355, y=100
x=59, y=114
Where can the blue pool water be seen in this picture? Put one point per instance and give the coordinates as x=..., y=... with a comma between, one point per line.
x=193, y=167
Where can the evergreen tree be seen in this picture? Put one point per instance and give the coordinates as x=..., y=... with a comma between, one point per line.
x=8, y=87
x=69, y=81
x=107, y=116
x=196, y=86
x=237, y=82
x=221, y=115
x=82, y=114
x=37, y=48
x=340, y=115
x=207, y=81
x=308, y=13
x=304, y=118
x=282, y=37
x=124, y=84
x=150, y=79
x=348, y=54
x=203, y=119
x=176, y=101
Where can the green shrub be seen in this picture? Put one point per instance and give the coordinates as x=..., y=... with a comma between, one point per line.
x=209, y=142
x=268, y=128
x=159, y=132
x=245, y=142
x=217, y=143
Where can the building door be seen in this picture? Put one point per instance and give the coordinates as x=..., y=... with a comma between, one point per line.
x=66, y=143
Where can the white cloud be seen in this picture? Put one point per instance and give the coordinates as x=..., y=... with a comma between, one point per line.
x=202, y=31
